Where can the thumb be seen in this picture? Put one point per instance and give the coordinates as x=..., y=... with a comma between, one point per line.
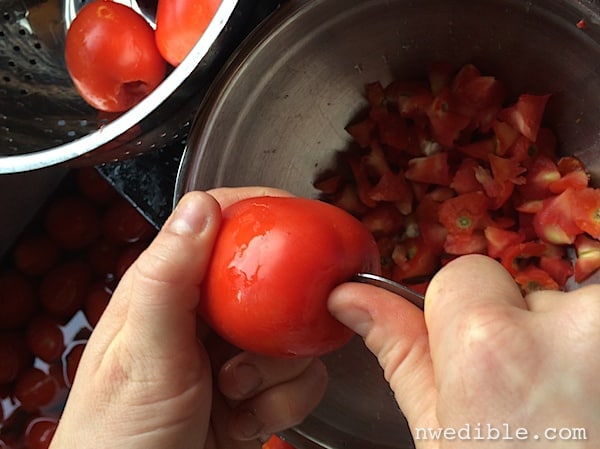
x=394, y=330
x=159, y=294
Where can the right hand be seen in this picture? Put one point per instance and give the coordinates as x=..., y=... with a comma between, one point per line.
x=484, y=356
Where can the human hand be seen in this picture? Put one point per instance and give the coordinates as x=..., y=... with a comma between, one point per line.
x=482, y=357
x=146, y=381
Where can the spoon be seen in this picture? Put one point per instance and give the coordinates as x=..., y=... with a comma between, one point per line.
x=379, y=281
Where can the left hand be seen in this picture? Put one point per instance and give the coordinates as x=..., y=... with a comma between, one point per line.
x=147, y=381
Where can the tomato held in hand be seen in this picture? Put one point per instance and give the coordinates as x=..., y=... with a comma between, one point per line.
x=112, y=57
x=179, y=25
x=274, y=264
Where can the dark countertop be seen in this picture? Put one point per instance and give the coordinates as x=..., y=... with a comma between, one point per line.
x=148, y=180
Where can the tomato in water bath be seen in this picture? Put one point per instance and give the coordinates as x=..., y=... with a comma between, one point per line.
x=274, y=264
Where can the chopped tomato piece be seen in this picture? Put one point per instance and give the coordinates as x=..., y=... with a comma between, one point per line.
x=513, y=257
x=559, y=268
x=464, y=180
x=505, y=136
x=499, y=239
x=526, y=114
x=362, y=132
x=588, y=257
x=432, y=169
x=458, y=243
x=540, y=174
x=464, y=213
x=586, y=210
x=446, y=123
x=440, y=76
x=393, y=187
x=532, y=278
x=555, y=222
x=413, y=258
x=479, y=149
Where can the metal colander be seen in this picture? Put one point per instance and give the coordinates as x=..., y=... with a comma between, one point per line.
x=44, y=121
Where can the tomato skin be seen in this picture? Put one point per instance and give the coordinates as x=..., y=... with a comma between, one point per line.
x=39, y=432
x=72, y=222
x=274, y=264
x=179, y=25
x=36, y=389
x=63, y=289
x=112, y=57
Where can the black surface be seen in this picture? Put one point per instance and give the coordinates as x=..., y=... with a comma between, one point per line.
x=148, y=180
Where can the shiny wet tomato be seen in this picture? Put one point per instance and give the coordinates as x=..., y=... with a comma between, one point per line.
x=274, y=264
x=45, y=338
x=39, y=431
x=179, y=25
x=123, y=223
x=36, y=254
x=63, y=289
x=112, y=57
x=15, y=357
x=36, y=389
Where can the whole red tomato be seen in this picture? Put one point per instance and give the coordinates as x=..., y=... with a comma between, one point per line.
x=179, y=25
x=273, y=266
x=112, y=57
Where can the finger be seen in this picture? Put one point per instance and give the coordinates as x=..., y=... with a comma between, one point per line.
x=247, y=374
x=280, y=407
x=158, y=296
x=474, y=313
x=553, y=300
x=229, y=195
x=394, y=330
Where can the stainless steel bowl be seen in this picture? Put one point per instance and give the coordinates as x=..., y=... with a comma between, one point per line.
x=277, y=113
x=44, y=121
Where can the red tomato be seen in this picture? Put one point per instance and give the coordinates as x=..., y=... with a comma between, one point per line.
x=273, y=266
x=123, y=223
x=128, y=255
x=96, y=301
x=526, y=114
x=63, y=289
x=72, y=221
x=36, y=254
x=15, y=357
x=586, y=211
x=39, y=431
x=588, y=257
x=94, y=186
x=45, y=338
x=35, y=389
x=112, y=57
x=179, y=25
x=73, y=357
x=102, y=257
x=18, y=300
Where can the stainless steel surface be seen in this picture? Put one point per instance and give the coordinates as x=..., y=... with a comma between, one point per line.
x=379, y=281
x=43, y=120
x=276, y=116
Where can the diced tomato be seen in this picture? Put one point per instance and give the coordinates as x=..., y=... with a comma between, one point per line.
x=362, y=132
x=464, y=180
x=586, y=210
x=464, y=213
x=446, y=123
x=526, y=114
x=559, y=268
x=588, y=257
x=393, y=187
x=393, y=131
x=432, y=169
x=532, y=278
x=522, y=150
x=505, y=136
x=513, y=257
x=499, y=239
x=479, y=149
x=555, y=222
x=413, y=258
x=458, y=243
x=384, y=219
x=540, y=174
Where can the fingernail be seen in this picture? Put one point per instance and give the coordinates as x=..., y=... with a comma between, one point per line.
x=246, y=425
x=188, y=218
x=359, y=320
x=247, y=379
